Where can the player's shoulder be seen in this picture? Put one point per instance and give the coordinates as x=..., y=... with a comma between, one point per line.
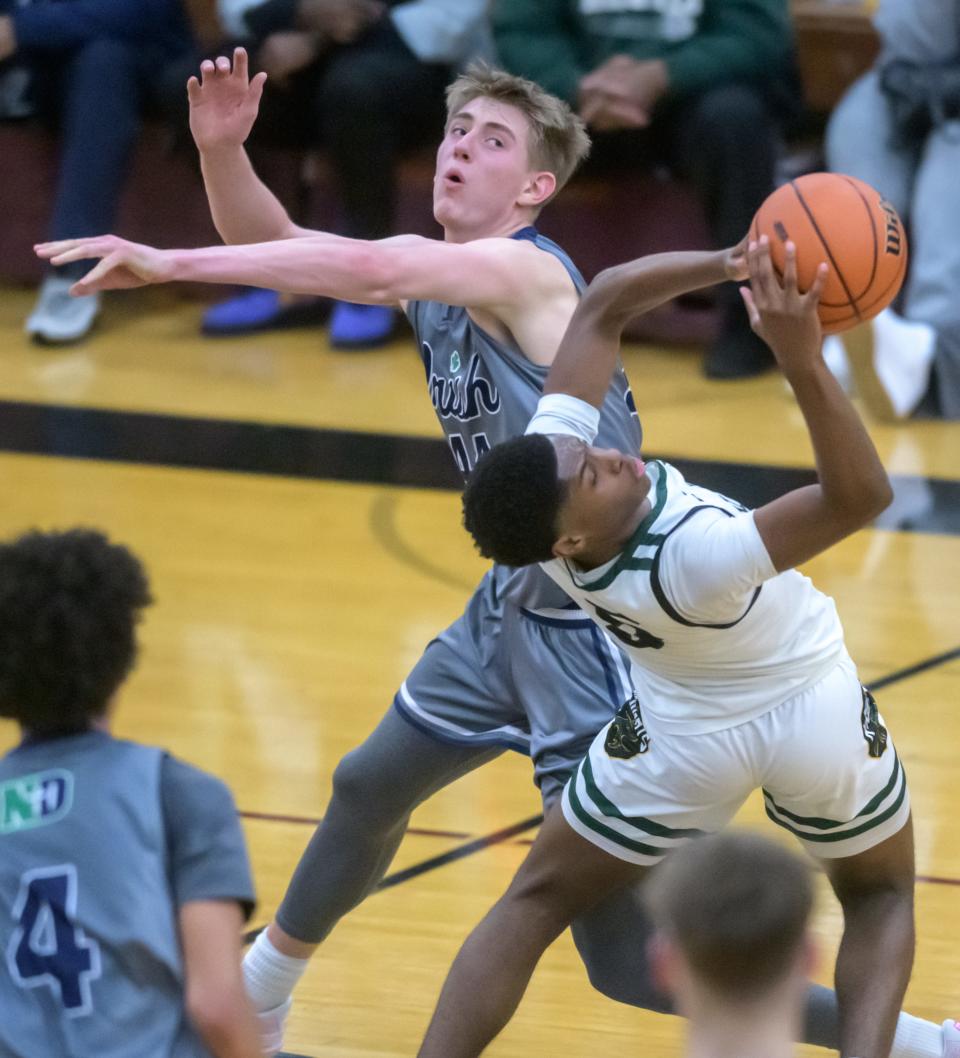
x=186, y=783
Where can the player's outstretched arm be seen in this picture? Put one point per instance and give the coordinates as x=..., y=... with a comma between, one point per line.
x=500, y=274
x=216, y=999
x=224, y=102
x=853, y=487
x=562, y=876
x=588, y=354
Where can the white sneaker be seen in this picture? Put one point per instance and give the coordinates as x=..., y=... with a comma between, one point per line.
x=951, y=1038
x=57, y=318
x=890, y=358
x=272, y=1024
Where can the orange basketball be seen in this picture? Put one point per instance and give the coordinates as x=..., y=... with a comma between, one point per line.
x=848, y=224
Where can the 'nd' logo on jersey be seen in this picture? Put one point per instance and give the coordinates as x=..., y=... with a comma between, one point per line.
x=35, y=800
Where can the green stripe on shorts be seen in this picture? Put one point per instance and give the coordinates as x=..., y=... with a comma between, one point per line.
x=830, y=824
x=594, y=824
x=657, y=830
x=845, y=834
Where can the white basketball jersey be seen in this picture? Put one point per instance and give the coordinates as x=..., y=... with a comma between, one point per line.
x=715, y=634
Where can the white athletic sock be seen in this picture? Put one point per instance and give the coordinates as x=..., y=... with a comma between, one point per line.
x=916, y=1038
x=903, y=353
x=269, y=975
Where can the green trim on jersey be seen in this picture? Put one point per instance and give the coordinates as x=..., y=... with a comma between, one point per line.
x=842, y=835
x=641, y=538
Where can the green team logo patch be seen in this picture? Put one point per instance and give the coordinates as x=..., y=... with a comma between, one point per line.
x=627, y=735
x=35, y=800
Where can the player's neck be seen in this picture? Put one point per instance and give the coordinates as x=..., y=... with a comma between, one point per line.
x=604, y=551
x=502, y=229
x=729, y=1037
x=721, y=1028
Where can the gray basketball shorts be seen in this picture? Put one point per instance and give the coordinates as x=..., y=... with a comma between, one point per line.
x=541, y=682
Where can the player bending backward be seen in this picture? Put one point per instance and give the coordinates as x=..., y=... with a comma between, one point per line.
x=741, y=673
x=488, y=305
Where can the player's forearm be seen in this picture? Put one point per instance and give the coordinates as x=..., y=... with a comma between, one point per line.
x=243, y=208
x=631, y=289
x=853, y=482
x=328, y=265
x=589, y=352
x=230, y=1032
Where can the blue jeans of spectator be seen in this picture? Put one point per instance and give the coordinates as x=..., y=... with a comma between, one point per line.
x=96, y=96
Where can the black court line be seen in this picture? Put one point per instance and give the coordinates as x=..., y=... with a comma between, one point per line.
x=921, y=504
x=914, y=670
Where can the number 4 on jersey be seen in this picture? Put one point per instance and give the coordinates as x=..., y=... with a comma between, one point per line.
x=47, y=948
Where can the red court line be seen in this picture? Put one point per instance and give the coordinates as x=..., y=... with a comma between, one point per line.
x=272, y=817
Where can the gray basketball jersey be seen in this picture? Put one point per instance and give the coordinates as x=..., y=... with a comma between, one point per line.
x=485, y=392
x=87, y=919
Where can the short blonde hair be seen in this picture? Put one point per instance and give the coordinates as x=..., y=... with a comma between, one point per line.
x=558, y=140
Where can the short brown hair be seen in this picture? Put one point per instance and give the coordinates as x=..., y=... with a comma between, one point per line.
x=737, y=907
x=558, y=140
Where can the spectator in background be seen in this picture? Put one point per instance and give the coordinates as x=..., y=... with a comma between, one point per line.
x=702, y=86
x=732, y=943
x=364, y=80
x=124, y=881
x=93, y=65
x=898, y=128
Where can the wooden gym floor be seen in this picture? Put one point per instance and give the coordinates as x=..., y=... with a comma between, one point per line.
x=294, y=507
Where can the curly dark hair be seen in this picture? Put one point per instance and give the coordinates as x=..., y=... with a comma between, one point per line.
x=512, y=501
x=69, y=605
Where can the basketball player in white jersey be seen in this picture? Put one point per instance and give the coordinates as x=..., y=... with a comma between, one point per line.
x=742, y=677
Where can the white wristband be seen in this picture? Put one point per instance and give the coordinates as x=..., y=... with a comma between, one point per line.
x=559, y=413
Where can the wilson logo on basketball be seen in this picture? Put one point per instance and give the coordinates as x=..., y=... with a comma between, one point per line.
x=894, y=238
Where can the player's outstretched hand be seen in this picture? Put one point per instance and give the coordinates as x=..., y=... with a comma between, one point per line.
x=224, y=102
x=122, y=264
x=783, y=317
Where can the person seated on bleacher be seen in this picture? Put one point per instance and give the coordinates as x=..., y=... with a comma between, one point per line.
x=702, y=87
x=93, y=66
x=364, y=80
x=898, y=128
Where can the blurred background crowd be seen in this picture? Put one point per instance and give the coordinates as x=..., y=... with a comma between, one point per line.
x=714, y=110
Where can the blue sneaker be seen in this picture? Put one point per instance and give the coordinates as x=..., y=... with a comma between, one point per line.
x=361, y=326
x=261, y=310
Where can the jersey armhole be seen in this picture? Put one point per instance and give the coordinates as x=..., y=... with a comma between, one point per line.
x=661, y=596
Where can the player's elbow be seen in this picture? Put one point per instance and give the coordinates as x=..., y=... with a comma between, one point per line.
x=379, y=273
x=603, y=301
x=876, y=496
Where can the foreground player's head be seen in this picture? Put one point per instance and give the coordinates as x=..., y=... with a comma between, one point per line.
x=731, y=913
x=536, y=497
x=508, y=148
x=69, y=605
